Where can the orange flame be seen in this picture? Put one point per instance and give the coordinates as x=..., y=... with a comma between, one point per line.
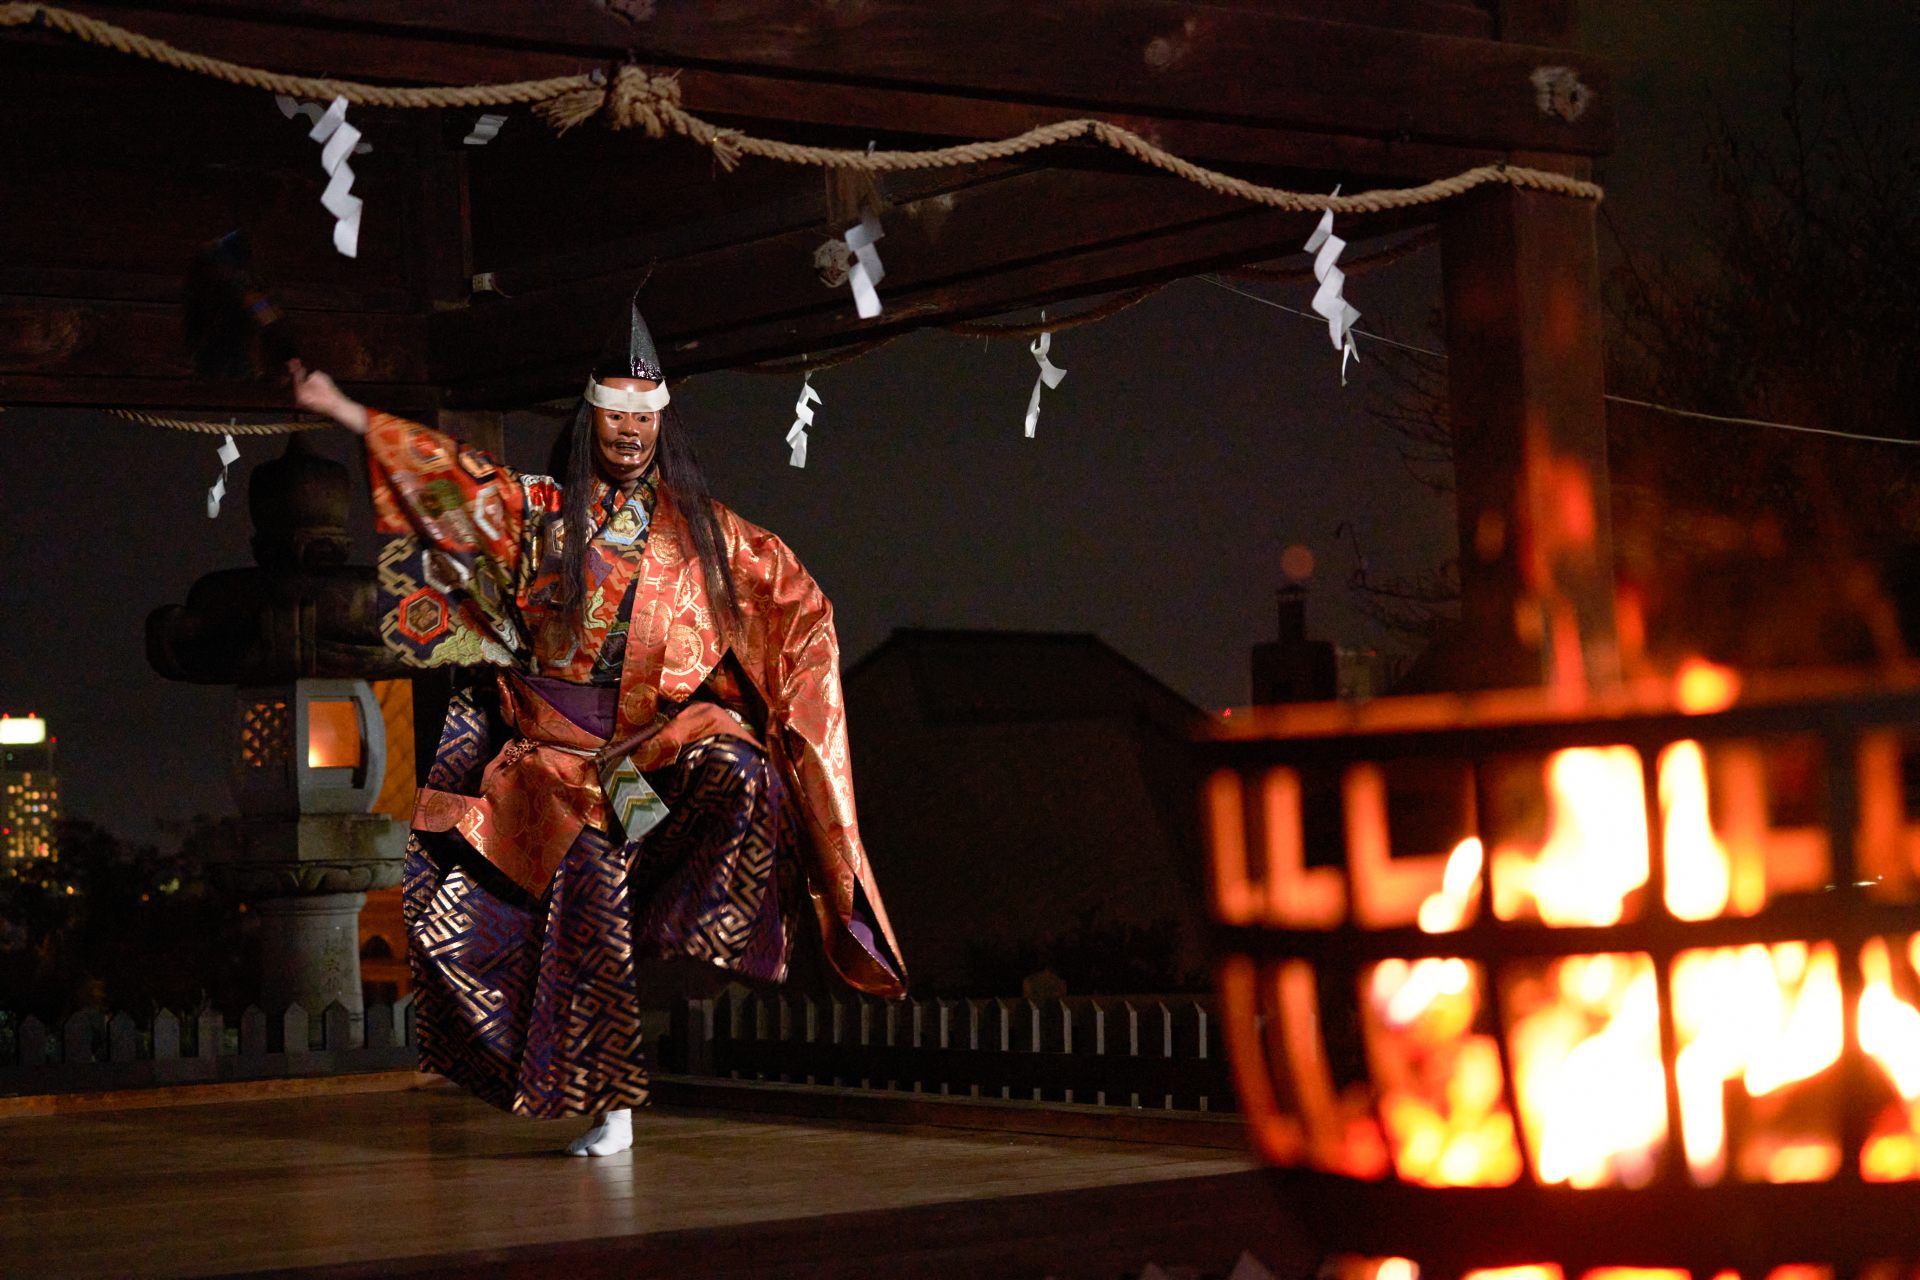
x=1570, y=1085
x=1890, y=1036
x=1758, y=1029
x=1701, y=686
x=1585, y=1040
x=1595, y=853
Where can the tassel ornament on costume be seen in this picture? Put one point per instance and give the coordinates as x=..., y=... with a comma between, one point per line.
x=1329, y=300
x=865, y=271
x=1051, y=376
x=802, y=419
x=229, y=454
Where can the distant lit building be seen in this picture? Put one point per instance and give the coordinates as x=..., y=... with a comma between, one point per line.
x=29, y=791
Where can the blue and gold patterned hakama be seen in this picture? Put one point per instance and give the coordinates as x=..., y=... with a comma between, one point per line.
x=532, y=1004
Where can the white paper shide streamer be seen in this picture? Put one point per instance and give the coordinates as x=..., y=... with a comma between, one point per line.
x=228, y=455
x=802, y=419
x=1329, y=299
x=485, y=130
x=1051, y=376
x=337, y=139
x=865, y=271
x=291, y=107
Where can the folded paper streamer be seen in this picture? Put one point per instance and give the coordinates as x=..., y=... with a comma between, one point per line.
x=229, y=454
x=865, y=271
x=1051, y=376
x=337, y=139
x=291, y=107
x=802, y=419
x=634, y=804
x=1329, y=299
x=485, y=130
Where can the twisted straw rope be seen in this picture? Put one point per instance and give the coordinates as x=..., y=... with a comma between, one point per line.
x=120, y=40
x=637, y=99
x=216, y=428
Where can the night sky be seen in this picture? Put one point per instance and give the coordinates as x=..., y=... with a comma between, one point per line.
x=1195, y=437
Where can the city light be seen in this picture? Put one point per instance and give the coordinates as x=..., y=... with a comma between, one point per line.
x=22, y=731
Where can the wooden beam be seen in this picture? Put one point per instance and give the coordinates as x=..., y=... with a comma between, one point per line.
x=1168, y=254
x=765, y=103
x=1442, y=17
x=1150, y=57
x=966, y=253
x=134, y=392
x=126, y=354
x=744, y=99
x=1552, y=23
x=1525, y=381
x=118, y=181
x=991, y=227
x=621, y=217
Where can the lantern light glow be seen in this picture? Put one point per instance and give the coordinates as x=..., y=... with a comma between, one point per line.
x=333, y=735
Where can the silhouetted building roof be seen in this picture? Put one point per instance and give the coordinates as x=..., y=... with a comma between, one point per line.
x=1012, y=784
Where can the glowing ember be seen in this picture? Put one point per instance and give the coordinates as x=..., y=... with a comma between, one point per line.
x=1890, y=1035
x=1701, y=687
x=1441, y=1098
x=1585, y=1039
x=1769, y=1018
x=1595, y=851
x=1452, y=907
x=1699, y=874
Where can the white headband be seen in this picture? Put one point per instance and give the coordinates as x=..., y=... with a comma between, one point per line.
x=651, y=401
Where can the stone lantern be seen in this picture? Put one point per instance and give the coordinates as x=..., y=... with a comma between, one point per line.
x=298, y=636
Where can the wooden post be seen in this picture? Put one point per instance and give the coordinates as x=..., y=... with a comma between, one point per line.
x=1530, y=442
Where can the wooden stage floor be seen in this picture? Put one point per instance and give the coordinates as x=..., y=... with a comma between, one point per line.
x=427, y=1182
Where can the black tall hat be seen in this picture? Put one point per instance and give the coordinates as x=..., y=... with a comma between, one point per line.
x=631, y=355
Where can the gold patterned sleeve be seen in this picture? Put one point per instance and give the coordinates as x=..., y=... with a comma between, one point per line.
x=791, y=639
x=450, y=495
x=453, y=521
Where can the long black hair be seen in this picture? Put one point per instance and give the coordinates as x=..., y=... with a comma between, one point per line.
x=681, y=479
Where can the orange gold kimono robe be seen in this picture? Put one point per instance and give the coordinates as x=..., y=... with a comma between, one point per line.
x=473, y=556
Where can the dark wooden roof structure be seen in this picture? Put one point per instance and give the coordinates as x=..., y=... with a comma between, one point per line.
x=114, y=170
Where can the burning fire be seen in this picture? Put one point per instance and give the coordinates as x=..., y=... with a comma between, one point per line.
x=1755, y=1024
x=1890, y=1035
x=1758, y=1029
x=1441, y=1100
x=1585, y=1039
x=1552, y=1271
x=1595, y=851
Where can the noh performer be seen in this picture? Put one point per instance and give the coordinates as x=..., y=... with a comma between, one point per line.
x=660, y=769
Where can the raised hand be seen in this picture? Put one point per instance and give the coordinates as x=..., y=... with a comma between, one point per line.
x=315, y=392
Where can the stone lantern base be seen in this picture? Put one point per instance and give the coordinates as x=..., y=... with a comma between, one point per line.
x=307, y=877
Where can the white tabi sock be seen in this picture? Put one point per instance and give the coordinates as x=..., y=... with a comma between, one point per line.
x=610, y=1135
